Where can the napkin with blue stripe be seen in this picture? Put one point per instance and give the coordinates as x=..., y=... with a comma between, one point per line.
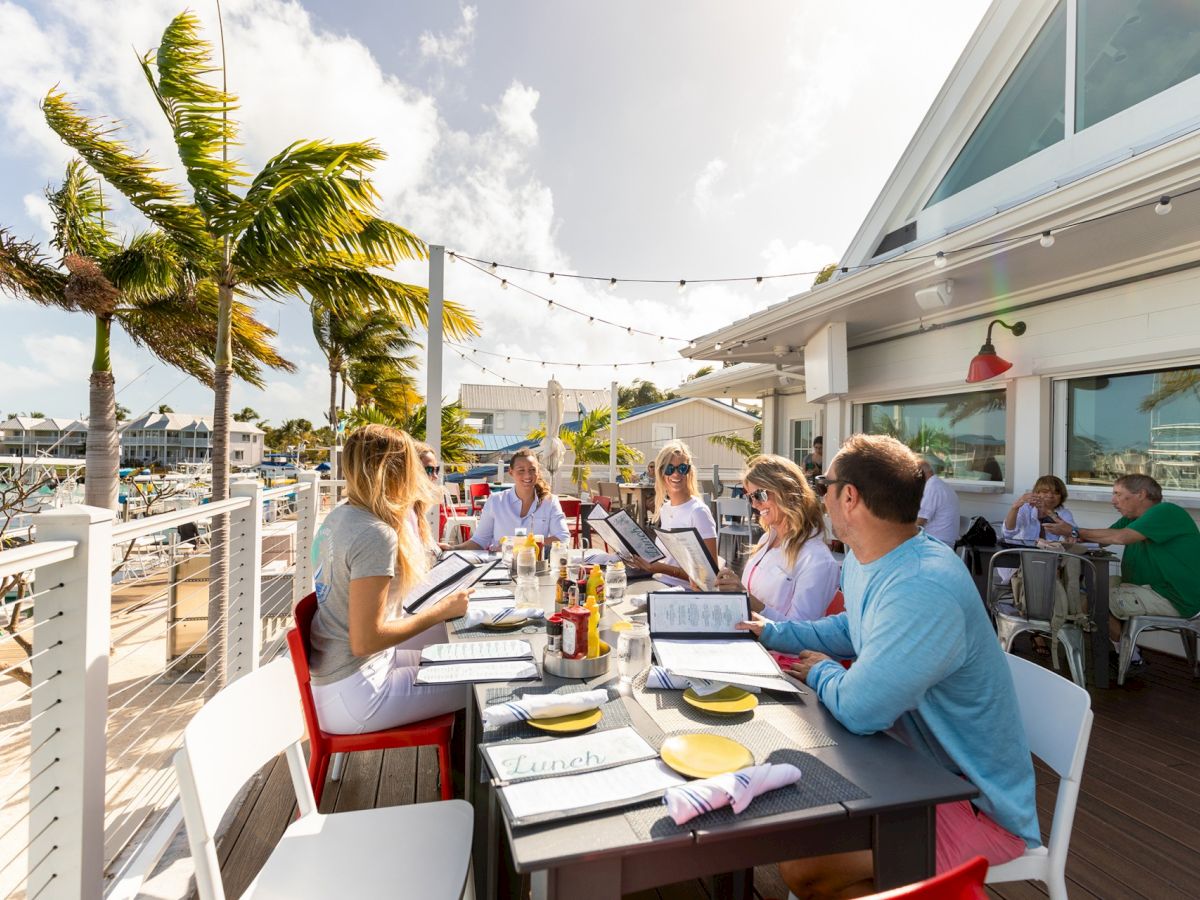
x=542, y=706
x=735, y=789
x=502, y=616
x=660, y=678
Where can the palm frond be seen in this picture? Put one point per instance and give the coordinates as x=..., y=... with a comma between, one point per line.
x=198, y=113
x=743, y=446
x=147, y=267
x=137, y=179
x=25, y=272
x=78, y=208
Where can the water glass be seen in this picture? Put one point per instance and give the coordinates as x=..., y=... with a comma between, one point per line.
x=526, y=566
x=574, y=563
x=633, y=651
x=506, y=552
x=615, y=581
x=526, y=593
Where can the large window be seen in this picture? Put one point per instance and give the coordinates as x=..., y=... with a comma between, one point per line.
x=802, y=440
x=1026, y=117
x=962, y=435
x=1147, y=423
x=1129, y=50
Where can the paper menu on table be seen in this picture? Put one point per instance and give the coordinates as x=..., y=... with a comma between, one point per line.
x=690, y=551
x=522, y=760
x=475, y=672
x=784, y=683
x=711, y=613
x=624, y=535
x=464, y=651
x=491, y=593
x=544, y=799
x=715, y=656
x=452, y=573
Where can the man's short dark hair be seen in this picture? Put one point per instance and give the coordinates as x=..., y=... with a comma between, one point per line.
x=886, y=473
x=818, y=441
x=1138, y=484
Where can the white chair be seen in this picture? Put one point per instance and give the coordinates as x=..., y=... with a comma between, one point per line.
x=421, y=850
x=1057, y=716
x=733, y=521
x=1187, y=629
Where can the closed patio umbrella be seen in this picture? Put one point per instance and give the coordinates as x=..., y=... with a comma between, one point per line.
x=552, y=451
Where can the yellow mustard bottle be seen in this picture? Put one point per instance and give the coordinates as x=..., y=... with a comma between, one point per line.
x=593, y=635
x=595, y=583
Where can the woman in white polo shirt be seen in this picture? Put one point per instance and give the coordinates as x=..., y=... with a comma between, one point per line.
x=529, y=505
x=678, y=505
x=792, y=575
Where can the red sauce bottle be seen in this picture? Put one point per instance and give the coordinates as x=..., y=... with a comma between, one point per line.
x=575, y=632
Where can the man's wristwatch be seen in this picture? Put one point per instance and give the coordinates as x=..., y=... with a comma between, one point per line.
x=1075, y=532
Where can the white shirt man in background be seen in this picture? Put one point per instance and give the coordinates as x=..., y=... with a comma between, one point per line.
x=939, y=507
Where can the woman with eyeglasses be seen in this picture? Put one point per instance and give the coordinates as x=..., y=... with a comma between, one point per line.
x=678, y=505
x=791, y=575
x=529, y=505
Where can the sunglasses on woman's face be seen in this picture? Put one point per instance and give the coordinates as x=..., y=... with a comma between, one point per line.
x=432, y=470
x=670, y=469
x=759, y=496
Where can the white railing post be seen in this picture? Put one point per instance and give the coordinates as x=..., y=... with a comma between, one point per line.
x=69, y=707
x=243, y=633
x=307, y=504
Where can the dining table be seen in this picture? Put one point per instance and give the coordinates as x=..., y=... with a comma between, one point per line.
x=638, y=500
x=856, y=792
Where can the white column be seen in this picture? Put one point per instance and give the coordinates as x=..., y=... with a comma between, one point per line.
x=69, y=708
x=243, y=633
x=307, y=504
x=1028, y=431
x=433, y=350
x=612, y=436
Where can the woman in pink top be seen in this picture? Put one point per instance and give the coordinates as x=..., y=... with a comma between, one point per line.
x=791, y=574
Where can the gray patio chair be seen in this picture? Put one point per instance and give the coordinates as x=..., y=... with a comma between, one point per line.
x=733, y=521
x=1040, y=573
x=1187, y=629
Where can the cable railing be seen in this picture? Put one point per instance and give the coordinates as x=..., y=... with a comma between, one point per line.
x=114, y=634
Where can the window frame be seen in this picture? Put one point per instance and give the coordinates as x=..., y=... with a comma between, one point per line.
x=655, y=441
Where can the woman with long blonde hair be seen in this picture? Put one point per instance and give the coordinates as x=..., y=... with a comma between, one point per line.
x=791, y=574
x=373, y=545
x=677, y=504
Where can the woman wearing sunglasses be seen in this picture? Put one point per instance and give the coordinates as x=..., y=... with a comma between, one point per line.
x=791, y=574
x=678, y=505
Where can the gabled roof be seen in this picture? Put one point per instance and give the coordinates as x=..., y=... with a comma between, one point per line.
x=527, y=399
x=492, y=443
x=650, y=409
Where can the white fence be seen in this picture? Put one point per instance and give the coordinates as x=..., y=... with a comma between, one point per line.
x=88, y=799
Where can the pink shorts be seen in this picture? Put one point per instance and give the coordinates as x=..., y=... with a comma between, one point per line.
x=964, y=832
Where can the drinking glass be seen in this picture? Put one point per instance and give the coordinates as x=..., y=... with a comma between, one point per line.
x=526, y=559
x=633, y=651
x=614, y=583
x=574, y=563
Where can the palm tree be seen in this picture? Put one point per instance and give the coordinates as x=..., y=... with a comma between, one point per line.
x=305, y=226
x=746, y=447
x=145, y=288
x=387, y=385
x=457, y=435
x=248, y=414
x=585, y=443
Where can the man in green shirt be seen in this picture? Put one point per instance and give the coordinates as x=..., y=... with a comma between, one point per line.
x=1160, y=575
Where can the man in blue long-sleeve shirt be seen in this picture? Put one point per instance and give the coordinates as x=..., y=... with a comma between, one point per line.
x=927, y=666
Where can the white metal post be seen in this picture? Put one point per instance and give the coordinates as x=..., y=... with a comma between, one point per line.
x=69, y=707
x=307, y=504
x=433, y=350
x=612, y=435
x=243, y=631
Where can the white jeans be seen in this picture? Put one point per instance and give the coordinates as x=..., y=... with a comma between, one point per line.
x=382, y=695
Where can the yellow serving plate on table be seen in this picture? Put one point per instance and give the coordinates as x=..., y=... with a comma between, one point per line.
x=704, y=755
x=512, y=625
x=728, y=701
x=580, y=721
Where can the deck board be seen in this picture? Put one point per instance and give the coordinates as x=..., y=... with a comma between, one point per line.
x=1136, y=836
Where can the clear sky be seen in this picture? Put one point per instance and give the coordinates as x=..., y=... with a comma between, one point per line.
x=673, y=139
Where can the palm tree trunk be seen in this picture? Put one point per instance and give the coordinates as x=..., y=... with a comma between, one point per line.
x=103, y=454
x=342, y=405
x=333, y=419
x=218, y=577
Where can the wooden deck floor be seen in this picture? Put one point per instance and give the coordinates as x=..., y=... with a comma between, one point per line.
x=1137, y=828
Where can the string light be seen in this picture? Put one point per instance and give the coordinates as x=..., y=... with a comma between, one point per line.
x=939, y=260
x=492, y=268
x=508, y=358
x=453, y=257
x=682, y=285
x=553, y=280
x=1163, y=206
x=1047, y=239
x=758, y=283
x=612, y=284
x=504, y=284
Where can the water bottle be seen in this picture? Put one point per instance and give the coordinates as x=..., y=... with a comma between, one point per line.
x=614, y=581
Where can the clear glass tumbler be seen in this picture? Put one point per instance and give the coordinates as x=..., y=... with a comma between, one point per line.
x=633, y=651
x=526, y=563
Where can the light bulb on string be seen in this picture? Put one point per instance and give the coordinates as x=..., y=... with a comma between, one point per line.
x=758, y=283
x=553, y=280
x=939, y=260
x=1047, y=239
x=591, y=320
x=492, y=267
x=717, y=345
x=682, y=285
x=630, y=329
x=1163, y=206
x=549, y=304
x=612, y=284
x=453, y=257
x=504, y=284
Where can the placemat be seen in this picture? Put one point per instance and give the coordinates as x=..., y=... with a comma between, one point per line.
x=613, y=713
x=671, y=711
x=481, y=634
x=819, y=785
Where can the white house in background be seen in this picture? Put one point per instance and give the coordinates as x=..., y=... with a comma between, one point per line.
x=58, y=438
x=1035, y=190
x=171, y=438
x=510, y=412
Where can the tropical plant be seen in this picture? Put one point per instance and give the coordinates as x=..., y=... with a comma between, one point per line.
x=1169, y=385
x=457, y=435
x=641, y=393
x=746, y=447
x=389, y=385
x=825, y=274
x=700, y=373
x=583, y=439
x=248, y=414
x=144, y=287
x=123, y=413
x=305, y=226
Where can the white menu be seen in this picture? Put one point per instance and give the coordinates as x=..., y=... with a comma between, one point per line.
x=542, y=799
x=474, y=672
x=464, y=651
x=567, y=756
x=697, y=612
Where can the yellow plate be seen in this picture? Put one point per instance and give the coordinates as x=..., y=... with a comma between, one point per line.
x=574, y=722
x=704, y=755
x=505, y=626
x=622, y=626
x=727, y=701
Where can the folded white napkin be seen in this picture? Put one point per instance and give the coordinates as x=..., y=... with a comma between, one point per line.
x=501, y=616
x=542, y=706
x=687, y=801
x=661, y=679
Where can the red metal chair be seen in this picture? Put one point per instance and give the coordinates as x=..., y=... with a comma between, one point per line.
x=605, y=503
x=963, y=882
x=478, y=494
x=322, y=745
x=571, y=509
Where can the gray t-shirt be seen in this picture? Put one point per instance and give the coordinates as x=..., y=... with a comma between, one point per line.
x=351, y=543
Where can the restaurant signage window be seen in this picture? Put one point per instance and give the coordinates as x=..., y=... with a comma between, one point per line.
x=963, y=435
x=1140, y=423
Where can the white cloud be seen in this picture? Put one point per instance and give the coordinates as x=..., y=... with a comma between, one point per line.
x=702, y=192
x=515, y=113
x=453, y=48
x=803, y=256
x=37, y=207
